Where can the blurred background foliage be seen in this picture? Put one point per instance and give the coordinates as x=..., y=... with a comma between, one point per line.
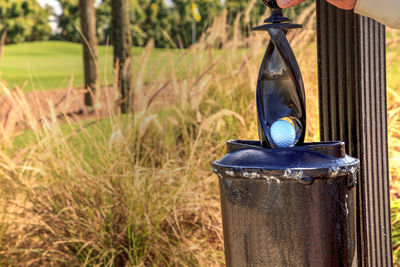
x=168, y=25
x=24, y=20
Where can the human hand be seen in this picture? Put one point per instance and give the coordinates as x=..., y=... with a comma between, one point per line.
x=343, y=4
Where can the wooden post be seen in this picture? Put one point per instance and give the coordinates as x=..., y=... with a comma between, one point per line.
x=89, y=41
x=121, y=39
x=352, y=99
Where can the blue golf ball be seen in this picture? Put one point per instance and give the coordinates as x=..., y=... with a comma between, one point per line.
x=283, y=134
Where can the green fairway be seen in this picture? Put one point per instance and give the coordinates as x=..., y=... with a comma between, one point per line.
x=50, y=65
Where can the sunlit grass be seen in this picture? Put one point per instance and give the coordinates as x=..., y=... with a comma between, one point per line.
x=50, y=64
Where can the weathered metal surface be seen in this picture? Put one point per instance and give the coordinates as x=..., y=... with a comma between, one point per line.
x=352, y=99
x=288, y=207
x=303, y=163
x=286, y=223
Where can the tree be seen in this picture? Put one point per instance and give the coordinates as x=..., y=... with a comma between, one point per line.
x=121, y=39
x=181, y=19
x=24, y=20
x=103, y=22
x=168, y=25
x=151, y=20
x=68, y=21
x=89, y=41
x=236, y=7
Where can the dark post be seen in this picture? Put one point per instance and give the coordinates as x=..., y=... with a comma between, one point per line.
x=121, y=38
x=89, y=41
x=352, y=99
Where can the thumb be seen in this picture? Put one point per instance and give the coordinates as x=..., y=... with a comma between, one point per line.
x=288, y=3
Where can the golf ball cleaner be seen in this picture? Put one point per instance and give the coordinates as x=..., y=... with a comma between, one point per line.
x=280, y=88
x=285, y=202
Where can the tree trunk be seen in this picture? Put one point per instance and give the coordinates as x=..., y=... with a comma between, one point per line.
x=121, y=39
x=89, y=40
x=2, y=42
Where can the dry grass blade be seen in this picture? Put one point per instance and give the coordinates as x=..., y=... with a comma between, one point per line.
x=143, y=63
x=66, y=97
x=156, y=94
x=207, y=125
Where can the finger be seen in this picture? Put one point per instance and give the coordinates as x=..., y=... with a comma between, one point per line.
x=343, y=4
x=288, y=3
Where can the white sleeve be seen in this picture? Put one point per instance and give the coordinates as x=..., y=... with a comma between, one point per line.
x=384, y=11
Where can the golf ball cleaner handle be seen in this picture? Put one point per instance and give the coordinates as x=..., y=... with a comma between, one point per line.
x=280, y=88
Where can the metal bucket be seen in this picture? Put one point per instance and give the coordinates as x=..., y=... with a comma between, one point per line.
x=288, y=207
